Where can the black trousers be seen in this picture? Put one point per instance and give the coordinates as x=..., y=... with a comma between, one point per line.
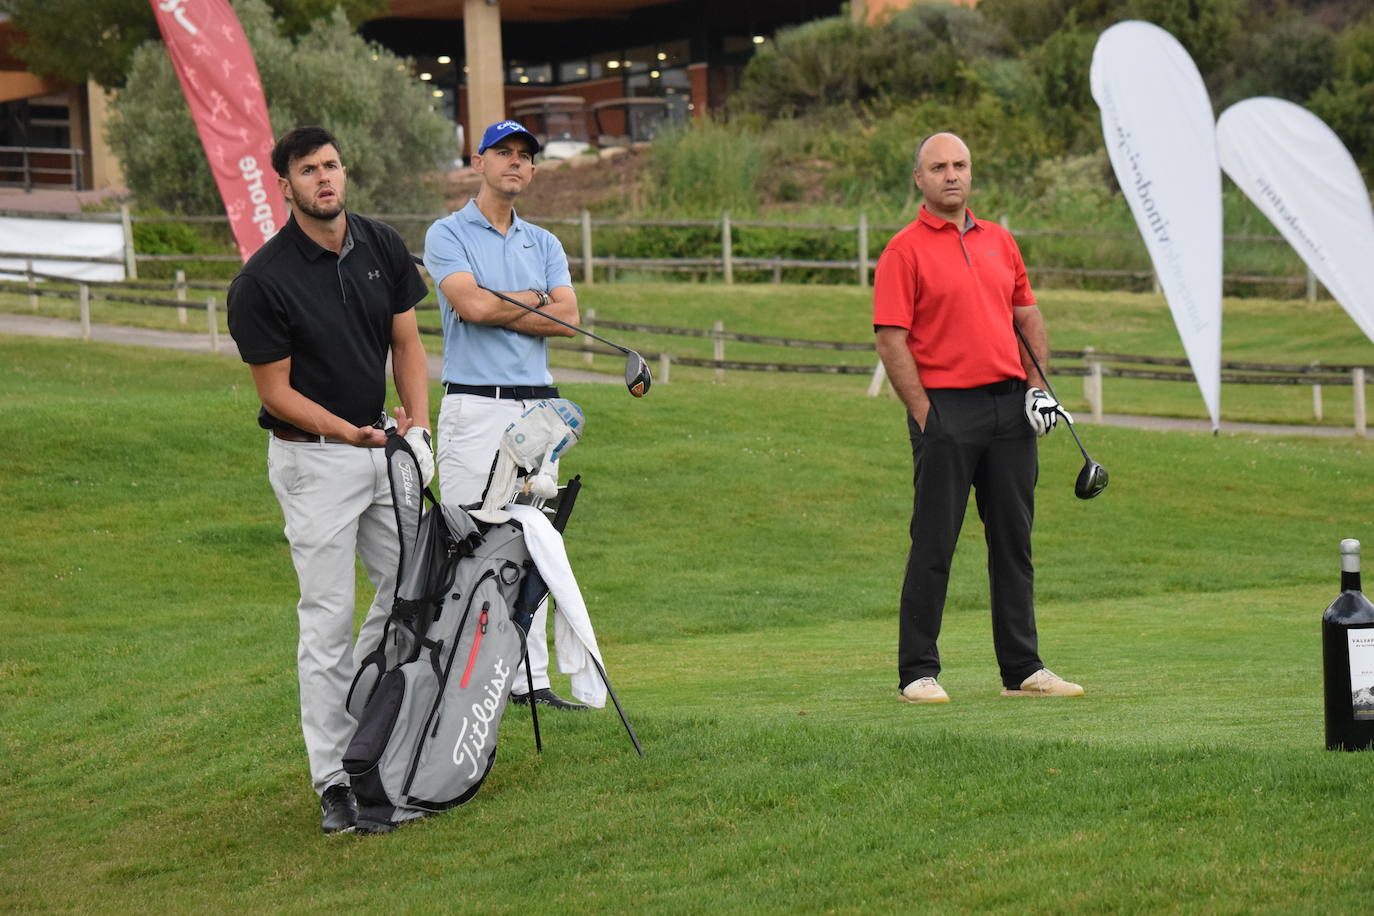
x=974, y=438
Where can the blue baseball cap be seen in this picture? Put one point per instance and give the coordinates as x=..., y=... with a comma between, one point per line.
x=500, y=131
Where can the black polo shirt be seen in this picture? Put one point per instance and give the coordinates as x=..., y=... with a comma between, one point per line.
x=330, y=313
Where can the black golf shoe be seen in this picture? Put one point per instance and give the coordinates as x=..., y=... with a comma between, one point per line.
x=338, y=809
x=545, y=697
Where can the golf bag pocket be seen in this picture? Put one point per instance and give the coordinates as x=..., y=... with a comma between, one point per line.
x=378, y=757
x=374, y=729
x=459, y=745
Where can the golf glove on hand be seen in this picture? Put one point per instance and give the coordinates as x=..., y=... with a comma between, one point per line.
x=1043, y=411
x=418, y=438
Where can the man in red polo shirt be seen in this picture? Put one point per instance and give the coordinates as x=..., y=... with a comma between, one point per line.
x=947, y=292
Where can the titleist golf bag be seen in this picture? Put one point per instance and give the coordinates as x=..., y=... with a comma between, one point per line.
x=430, y=696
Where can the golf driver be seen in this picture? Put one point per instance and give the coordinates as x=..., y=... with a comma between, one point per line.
x=637, y=377
x=1092, y=480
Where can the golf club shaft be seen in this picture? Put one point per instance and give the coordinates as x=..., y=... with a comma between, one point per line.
x=1074, y=433
x=566, y=324
x=532, y=309
x=1045, y=376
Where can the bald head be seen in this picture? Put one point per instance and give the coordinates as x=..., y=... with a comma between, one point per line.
x=944, y=175
x=943, y=137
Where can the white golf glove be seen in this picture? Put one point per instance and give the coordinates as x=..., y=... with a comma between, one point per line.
x=421, y=445
x=1043, y=411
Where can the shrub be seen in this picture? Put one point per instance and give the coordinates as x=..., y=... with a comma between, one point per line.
x=699, y=169
x=392, y=140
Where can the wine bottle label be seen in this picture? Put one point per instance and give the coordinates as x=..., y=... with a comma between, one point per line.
x=1361, y=645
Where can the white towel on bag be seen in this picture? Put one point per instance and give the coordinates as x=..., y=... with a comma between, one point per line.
x=574, y=642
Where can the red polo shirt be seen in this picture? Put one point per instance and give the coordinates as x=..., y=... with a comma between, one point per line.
x=954, y=294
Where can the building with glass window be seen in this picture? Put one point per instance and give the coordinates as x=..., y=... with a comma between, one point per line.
x=602, y=72
x=577, y=72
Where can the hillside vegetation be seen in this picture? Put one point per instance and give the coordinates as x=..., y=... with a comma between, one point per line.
x=827, y=115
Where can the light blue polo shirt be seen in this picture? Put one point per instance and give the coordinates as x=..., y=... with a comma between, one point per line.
x=526, y=257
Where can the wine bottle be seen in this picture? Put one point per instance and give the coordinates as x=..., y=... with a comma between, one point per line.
x=1348, y=659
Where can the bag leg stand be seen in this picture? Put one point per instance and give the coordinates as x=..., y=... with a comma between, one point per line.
x=534, y=707
x=616, y=700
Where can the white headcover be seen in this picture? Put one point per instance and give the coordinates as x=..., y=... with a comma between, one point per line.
x=532, y=444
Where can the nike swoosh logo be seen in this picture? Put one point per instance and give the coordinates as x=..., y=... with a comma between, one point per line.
x=530, y=245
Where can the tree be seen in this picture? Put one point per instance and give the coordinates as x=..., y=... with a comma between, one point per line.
x=1346, y=101
x=1207, y=28
x=76, y=40
x=393, y=141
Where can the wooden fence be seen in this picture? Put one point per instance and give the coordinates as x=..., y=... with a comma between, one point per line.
x=1094, y=365
x=727, y=265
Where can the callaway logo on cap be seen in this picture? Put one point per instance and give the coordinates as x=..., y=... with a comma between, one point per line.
x=500, y=131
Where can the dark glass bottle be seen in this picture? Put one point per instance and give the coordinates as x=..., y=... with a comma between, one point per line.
x=1348, y=659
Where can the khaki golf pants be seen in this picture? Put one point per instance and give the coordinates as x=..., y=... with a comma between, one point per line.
x=336, y=501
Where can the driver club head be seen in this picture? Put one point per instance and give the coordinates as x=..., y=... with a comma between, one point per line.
x=1092, y=480
x=637, y=377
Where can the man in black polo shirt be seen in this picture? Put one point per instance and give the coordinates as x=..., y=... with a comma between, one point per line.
x=314, y=313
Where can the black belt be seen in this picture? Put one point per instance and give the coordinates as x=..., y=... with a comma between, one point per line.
x=505, y=392
x=295, y=435
x=1006, y=386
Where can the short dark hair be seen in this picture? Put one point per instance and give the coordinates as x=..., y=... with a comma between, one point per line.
x=300, y=142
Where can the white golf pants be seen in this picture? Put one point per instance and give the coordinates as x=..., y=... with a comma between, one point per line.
x=336, y=501
x=470, y=428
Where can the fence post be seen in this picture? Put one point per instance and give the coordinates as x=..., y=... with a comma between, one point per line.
x=1311, y=286
x=130, y=261
x=875, y=384
x=1154, y=281
x=718, y=332
x=85, y=312
x=665, y=361
x=33, y=283
x=587, y=247
x=588, y=322
x=863, y=249
x=1316, y=393
x=214, y=323
x=1092, y=383
x=777, y=270
x=726, y=254
x=181, y=295
x=1357, y=381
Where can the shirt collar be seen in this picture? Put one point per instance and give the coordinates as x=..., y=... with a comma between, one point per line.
x=935, y=222
x=312, y=250
x=473, y=214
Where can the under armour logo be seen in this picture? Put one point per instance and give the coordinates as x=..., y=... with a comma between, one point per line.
x=374, y=274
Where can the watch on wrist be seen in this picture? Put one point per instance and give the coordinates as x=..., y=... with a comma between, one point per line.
x=543, y=297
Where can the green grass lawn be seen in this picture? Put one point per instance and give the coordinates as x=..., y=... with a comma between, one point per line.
x=740, y=549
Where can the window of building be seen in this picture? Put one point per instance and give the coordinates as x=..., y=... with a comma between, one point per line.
x=36, y=122
x=576, y=71
x=529, y=73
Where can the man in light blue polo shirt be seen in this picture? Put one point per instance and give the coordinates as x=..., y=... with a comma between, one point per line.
x=496, y=362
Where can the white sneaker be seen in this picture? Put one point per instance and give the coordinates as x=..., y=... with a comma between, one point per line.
x=1045, y=683
x=924, y=690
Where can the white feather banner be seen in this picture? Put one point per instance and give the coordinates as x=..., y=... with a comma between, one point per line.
x=1301, y=176
x=1158, y=127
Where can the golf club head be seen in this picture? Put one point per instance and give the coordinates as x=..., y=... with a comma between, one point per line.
x=1092, y=480
x=637, y=377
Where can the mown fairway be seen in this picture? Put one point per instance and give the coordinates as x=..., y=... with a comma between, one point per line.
x=740, y=548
